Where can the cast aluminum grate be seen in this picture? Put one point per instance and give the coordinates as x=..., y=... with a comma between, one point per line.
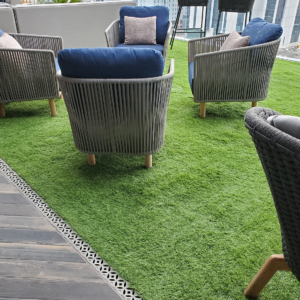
x=119, y=284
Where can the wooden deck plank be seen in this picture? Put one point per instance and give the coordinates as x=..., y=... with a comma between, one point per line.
x=8, y=189
x=3, y=179
x=39, y=252
x=49, y=270
x=13, y=199
x=36, y=262
x=17, y=222
x=18, y=210
x=48, y=289
x=29, y=236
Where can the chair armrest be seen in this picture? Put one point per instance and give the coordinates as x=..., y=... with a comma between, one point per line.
x=205, y=45
x=234, y=75
x=112, y=34
x=27, y=74
x=171, y=68
x=31, y=41
x=166, y=44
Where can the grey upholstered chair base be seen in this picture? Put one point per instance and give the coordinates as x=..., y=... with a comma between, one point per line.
x=29, y=73
x=280, y=157
x=118, y=116
x=237, y=75
x=112, y=37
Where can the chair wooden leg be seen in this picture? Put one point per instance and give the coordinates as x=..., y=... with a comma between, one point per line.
x=61, y=95
x=91, y=159
x=254, y=103
x=273, y=264
x=202, y=110
x=2, y=111
x=148, y=161
x=52, y=107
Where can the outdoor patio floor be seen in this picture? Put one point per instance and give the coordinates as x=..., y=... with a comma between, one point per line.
x=36, y=262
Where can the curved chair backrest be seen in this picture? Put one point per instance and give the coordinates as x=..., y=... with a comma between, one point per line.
x=118, y=116
x=241, y=6
x=280, y=156
x=29, y=73
x=245, y=75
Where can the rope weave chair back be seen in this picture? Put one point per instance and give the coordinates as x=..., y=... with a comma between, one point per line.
x=280, y=156
x=29, y=73
x=118, y=116
x=245, y=75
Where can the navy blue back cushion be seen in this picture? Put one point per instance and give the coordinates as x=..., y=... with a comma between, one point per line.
x=110, y=63
x=1, y=32
x=261, y=31
x=162, y=19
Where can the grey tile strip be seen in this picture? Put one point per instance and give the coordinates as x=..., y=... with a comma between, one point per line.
x=84, y=249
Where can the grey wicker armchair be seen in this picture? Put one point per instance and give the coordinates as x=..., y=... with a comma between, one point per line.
x=29, y=73
x=237, y=75
x=113, y=31
x=118, y=116
x=280, y=156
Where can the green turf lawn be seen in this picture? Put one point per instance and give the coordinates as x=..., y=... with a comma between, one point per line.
x=198, y=225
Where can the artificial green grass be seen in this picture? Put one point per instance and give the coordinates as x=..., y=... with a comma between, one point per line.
x=198, y=225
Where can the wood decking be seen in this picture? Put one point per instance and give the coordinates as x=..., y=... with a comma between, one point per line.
x=36, y=262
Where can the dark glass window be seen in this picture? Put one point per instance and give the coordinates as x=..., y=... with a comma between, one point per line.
x=296, y=29
x=240, y=21
x=280, y=9
x=208, y=15
x=269, y=15
x=215, y=17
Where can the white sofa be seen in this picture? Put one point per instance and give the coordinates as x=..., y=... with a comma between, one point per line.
x=7, y=20
x=13, y=2
x=80, y=25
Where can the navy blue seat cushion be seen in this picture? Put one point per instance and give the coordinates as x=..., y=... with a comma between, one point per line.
x=57, y=65
x=261, y=32
x=110, y=63
x=191, y=75
x=162, y=19
x=157, y=47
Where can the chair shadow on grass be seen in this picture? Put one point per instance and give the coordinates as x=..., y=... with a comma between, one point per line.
x=223, y=110
x=25, y=109
x=112, y=165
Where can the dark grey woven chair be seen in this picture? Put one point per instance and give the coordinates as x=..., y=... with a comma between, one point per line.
x=237, y=6
x=280, y=156
x=112, y=37
x=29, y=73
x=237, y=75
x=118, y=116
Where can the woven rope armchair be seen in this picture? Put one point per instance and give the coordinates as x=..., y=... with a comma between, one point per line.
x=280, y=156
x=237, y=75
x=118, y=116
x=29, y=73
x=113, y=31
